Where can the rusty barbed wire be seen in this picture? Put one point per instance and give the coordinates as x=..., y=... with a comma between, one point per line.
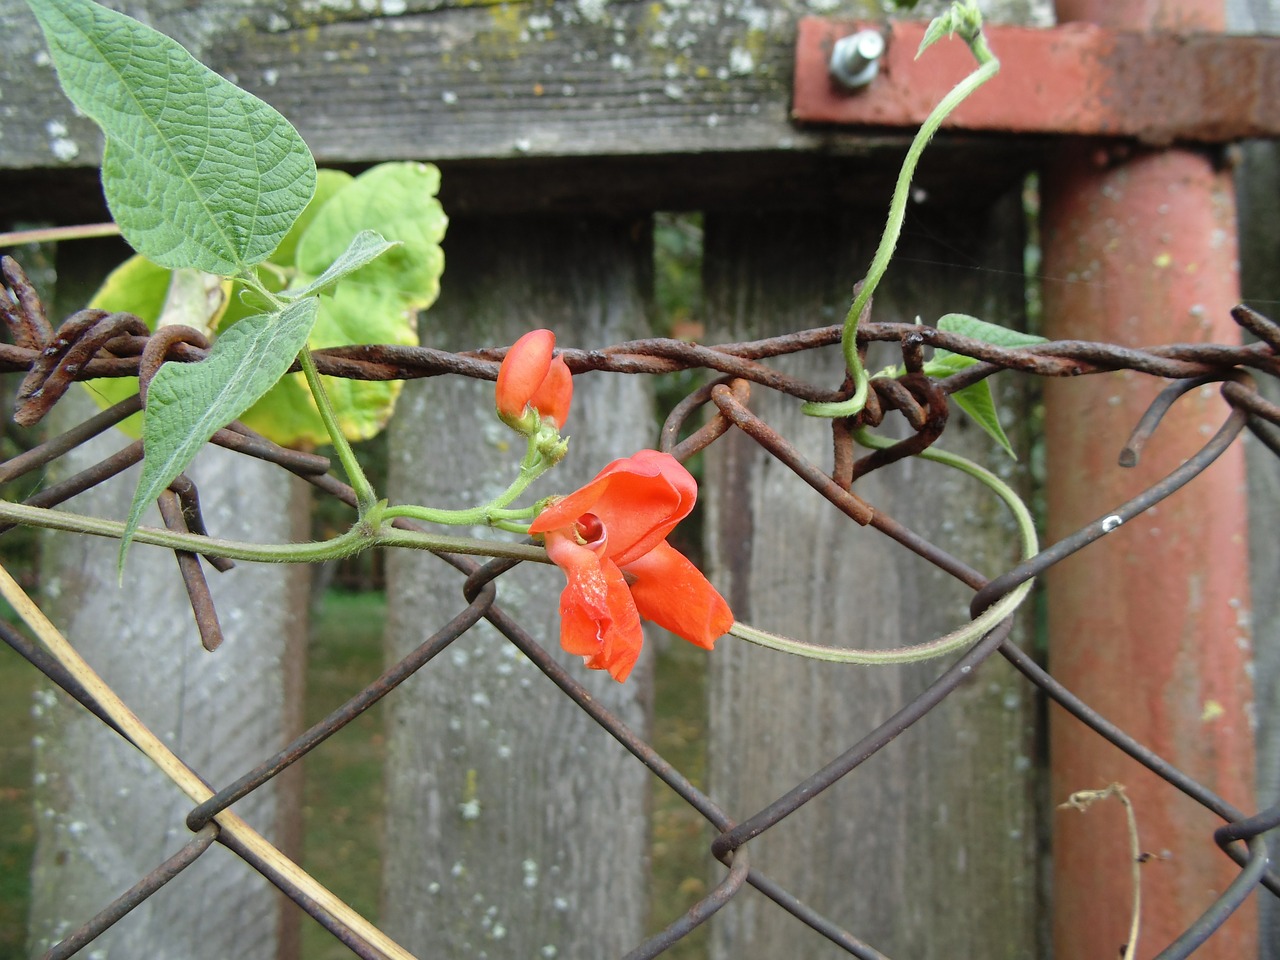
x=91, y=344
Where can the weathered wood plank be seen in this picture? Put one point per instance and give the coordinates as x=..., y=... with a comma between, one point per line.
x=1258, y=191
x=579, y=105
x=516, y=827
x=566, y=78
x=572, y=77
x=105, y=815
x=929, y=848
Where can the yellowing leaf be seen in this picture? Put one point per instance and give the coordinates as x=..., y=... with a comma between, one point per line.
x=378, y=303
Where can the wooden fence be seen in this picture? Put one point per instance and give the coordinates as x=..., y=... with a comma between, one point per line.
x=515, y=827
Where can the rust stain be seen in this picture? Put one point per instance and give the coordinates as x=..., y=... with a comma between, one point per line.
x=1076, y=79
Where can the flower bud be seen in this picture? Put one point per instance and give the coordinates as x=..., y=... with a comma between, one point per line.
x=532, y=378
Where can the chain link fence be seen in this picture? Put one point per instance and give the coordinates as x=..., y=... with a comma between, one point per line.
x=93, y=343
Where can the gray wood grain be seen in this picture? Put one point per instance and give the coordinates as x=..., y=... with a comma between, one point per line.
x=928, y=849
x=1258, y=197
x=104, y=815
x=515, y=826
x=1258, y=187
x=573, y=77
x=421, y=79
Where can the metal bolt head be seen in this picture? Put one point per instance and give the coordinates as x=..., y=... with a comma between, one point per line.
x=855, y=59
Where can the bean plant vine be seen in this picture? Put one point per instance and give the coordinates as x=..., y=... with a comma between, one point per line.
x=238, y=233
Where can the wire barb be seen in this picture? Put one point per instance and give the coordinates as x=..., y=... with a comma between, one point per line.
x=94, y=343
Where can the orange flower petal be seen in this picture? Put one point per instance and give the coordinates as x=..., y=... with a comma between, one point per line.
x=554, y=394
x=523, y=371
x=669, y=590
x=639, y=499
x=598, y=618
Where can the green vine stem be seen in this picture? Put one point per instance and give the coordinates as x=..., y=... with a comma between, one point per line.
x=958, y=639
x=496, y=512
x=370, y=532
x=85, y=231
x=365, y=496
x=963, y=18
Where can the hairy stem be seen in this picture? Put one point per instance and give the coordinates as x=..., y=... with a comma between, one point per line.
x=360, y=537
x=365, y=496
x=988, y=67
x=497, y=511
x=958, y=639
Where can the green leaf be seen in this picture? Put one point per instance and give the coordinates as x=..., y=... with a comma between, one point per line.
x=992, y=333
x=189, y=402
x=197, y=172
x=963, y=17
x=976, y=399
x=366, y=247
x=328, y=183
x=939, y=27
x=944, y=362
x=397, y=200
x=378, y=303
x=287, y=413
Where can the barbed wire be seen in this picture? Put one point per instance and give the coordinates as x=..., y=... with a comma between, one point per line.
x=94, y=344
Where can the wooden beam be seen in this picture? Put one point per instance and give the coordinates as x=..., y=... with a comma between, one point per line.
x=461, y=80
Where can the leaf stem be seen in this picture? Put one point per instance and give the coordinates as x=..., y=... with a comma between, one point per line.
x=958, y=639
x=988, y=67
x=365, y=496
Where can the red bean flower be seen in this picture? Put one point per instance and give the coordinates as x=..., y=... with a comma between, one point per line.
x=610, y=539
x=531, y=378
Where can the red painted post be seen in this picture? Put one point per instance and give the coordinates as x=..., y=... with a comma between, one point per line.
x=1150, y=624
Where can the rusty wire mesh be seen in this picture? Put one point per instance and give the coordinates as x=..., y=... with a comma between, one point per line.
x=93, y=343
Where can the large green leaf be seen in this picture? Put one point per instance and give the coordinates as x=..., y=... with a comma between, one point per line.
x=142, y=288
x=197, y=172
x=189, y=402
